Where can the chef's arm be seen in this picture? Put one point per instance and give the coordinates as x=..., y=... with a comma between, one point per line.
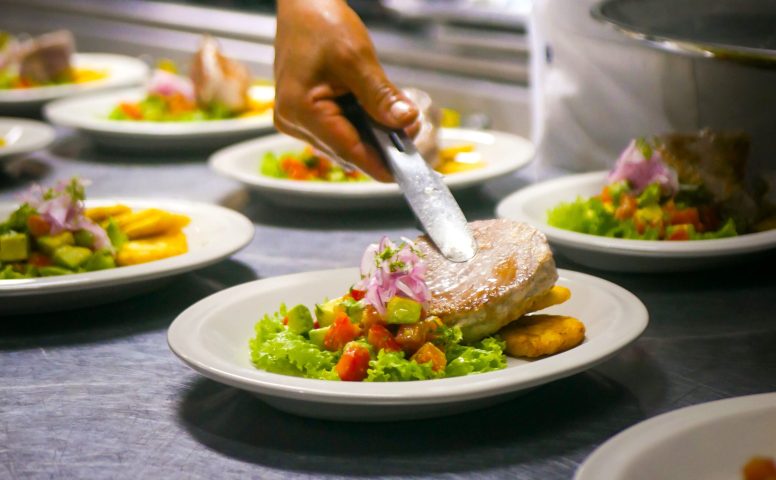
x=323, y=51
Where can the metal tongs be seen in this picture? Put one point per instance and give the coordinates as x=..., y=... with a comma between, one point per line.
x=423, y=188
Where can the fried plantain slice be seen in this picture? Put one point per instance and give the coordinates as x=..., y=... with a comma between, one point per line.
x=534, y=336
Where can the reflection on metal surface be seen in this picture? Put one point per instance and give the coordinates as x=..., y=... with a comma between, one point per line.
x=735, y=30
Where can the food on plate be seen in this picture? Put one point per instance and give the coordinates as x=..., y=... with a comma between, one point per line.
x=672, y=187
x=53, y=233
x=217, y=88
x=541, y=335
x=42, y=61
x=310, y=165
x=414, y=315
x=2, y=142
x=759, y=468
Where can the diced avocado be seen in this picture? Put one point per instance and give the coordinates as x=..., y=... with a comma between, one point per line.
x=353, y=308
x=325, y=312
x=14, y=247
x=51, y=271
x=317, y=335
x=100, y=260
x=300, y=320
x=84, y=238
x=72, y=257
x=650, y=195
x=116, y=236
x=49, y=243
x=402, y=310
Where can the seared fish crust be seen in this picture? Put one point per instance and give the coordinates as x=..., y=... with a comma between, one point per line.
x=513, y=265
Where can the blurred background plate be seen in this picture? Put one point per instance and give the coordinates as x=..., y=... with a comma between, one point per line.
x=712, y=441
x=502, y=152
x=121, y=70
x=213, y=234
x=19, y=136
x=531, y=204
x=89, y=115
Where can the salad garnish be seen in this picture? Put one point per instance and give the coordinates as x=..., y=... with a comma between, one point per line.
x=378, y=331
x=53, y=233
x=388, y=270
x=641, y=165
x=61, y=207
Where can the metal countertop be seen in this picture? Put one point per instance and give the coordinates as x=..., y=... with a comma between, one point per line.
x=96, y=393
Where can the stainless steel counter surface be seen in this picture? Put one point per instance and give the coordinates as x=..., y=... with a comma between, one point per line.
x=96, y=393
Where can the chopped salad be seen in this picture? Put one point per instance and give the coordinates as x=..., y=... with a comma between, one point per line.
x=308, y=165
x=53, y=233
x=644, y=200
x=378, y=331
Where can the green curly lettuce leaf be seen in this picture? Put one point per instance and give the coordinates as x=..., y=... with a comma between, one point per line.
x=486, y=355
x=278, y=350
x=393, y=367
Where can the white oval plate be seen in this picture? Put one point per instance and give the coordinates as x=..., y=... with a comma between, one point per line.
x=123, y=71
x=212, y=337
x=23, y=136
x=712, y=441
x=89, y=114
x=503, y=152
x=214, y=233
x=531, y=204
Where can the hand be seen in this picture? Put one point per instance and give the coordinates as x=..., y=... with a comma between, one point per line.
x=323, y=51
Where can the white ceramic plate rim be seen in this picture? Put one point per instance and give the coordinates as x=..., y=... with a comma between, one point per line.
x=616, y=454
x=241, y=233
x=33, y=135
x=515, y=207
x=225, y=162
x=90, y=112
x=122, y=70
x=183, y=340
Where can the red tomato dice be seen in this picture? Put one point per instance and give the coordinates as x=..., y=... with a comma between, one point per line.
x=380, y=338
x=431, y=353
x=353, y=363
x=340, y=333
x=38, y=226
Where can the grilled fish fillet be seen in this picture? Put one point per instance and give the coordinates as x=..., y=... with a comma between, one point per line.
x=513, y=265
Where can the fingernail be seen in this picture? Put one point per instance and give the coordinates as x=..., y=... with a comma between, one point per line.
x=400, y=109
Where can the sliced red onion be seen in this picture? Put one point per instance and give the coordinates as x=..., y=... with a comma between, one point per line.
x=165, y=83
x=388, y=271
x=63, y=212
x=640, y=171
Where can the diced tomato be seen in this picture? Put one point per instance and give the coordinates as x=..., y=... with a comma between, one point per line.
x=131, y=110
x=353, y=363
x=412, y=336
x=295, y=169
x=285, y=320
x=431, y=353
x=340, y=333
x=357, y=294
x=38, y=226
x=606, y=196
x=685, y=215
x=760, y=468
x=370, y=316
x=679, y=233
x=381, y=338
x=39, y=260
x=626, y=209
